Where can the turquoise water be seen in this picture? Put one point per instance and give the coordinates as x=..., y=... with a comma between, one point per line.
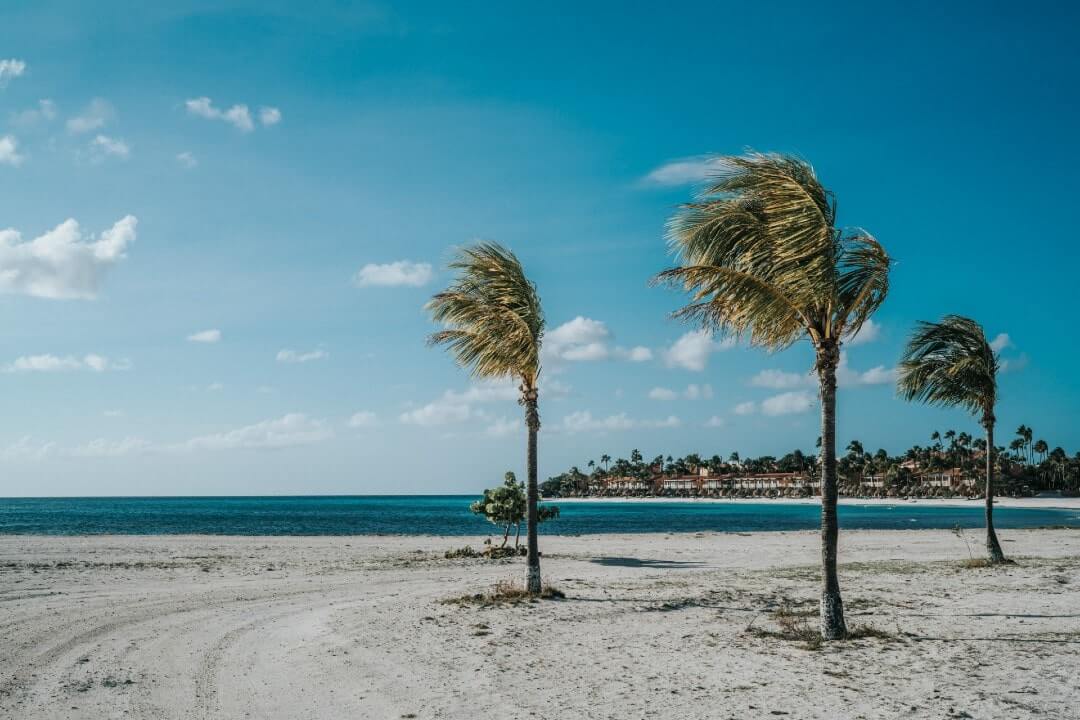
x=449, y=515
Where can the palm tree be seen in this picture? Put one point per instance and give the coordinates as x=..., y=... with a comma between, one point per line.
x=950, y=363
x=763, y=259
x=493, y=325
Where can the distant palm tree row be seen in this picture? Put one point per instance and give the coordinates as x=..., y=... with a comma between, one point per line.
x=1018, y=472
x=763, y=260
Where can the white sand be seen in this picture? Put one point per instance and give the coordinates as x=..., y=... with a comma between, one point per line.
x=654, y=626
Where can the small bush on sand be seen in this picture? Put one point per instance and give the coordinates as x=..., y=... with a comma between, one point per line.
x=505, y=592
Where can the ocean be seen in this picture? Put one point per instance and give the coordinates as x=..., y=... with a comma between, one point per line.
x=449, y=515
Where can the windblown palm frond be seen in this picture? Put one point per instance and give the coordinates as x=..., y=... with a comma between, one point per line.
x=760, y=255
x=950, y=363
x=491, y=314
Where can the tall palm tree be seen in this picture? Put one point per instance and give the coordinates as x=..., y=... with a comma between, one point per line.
x=950, y=363
x=493, y=325
x=763, y=259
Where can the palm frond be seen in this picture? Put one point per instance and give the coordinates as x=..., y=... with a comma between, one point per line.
x=491, y=313
x=949, y=363
x=759, y=254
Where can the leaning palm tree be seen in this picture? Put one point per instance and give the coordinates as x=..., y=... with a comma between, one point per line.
x=493, y=325
x=950, y=363
x=762, y=257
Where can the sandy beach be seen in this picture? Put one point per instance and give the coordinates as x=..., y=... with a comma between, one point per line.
x=666, y=626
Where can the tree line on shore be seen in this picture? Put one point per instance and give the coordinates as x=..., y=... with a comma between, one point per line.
x=1025, y=466
x=762, y=260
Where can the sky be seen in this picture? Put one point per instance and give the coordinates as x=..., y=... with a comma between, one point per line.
x=220, y=221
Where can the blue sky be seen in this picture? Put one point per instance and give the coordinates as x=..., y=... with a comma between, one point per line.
x=209, y=326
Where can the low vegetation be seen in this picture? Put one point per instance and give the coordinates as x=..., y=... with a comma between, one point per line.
x=505, y=592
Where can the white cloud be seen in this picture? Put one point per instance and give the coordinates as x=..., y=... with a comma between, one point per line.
x=638, y=353
x=745, y=408
x=583, y=421
x=878, y=375
x=788, y=403
x=55, y=363
x=186, y=160
x=715, y=422
x=26, y=448
x=9, y=151
x=94, y=116
x=103, y=146
x=394, y=274
x=869, y=332
x=60, y=264
x=269, y=115
x=692, y=392
x=44, y=112
x=661, y=393
x=363, y=419
x=110, y=448
x=205, y=336
x=1000, y=342
x=692, y=350
x=685, y=171
x=780, y=380
x=215, y=387
x=503, y=427
x=238, y=115
x=113, y=413
x=437, y=413
x=293, y=357
x=579, y=339
x=287, y=431
x=10, y=69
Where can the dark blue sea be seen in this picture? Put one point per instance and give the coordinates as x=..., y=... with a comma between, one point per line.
x=449, y=515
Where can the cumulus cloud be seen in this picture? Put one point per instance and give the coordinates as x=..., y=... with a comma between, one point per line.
x=692, y=350
x=94, y=116
x=692, y=392
x=205, y=336
x=239, y=116
x=584, y=339
x=638, y=353
x=186, y=160
x=579, y=339
x=56, y=363
x=103, y=146
x=789, y=403
x=61, y=264
x=1001, y=342
x=745, y=408
x=10, y=69
x=395, y=274
x=269, y=116
x=9, y=151
x=437, y=413
x=287, y=431
x=878, y=375
x=26, y=448
x=715, y=422
x=503, y=427
x=685, y=171
x=294, y=357
x=869, y=332
x=102, y=448
x=44, y=112
x=363, y=419
x=780, y=380
x=583, y=421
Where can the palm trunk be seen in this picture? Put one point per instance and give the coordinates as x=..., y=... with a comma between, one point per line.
x=832, y=607
x=532, y=421
x=993, y=547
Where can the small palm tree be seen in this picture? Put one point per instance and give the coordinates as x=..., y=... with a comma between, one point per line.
x=950, y=363
x=493, y=325
x=761, y=254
